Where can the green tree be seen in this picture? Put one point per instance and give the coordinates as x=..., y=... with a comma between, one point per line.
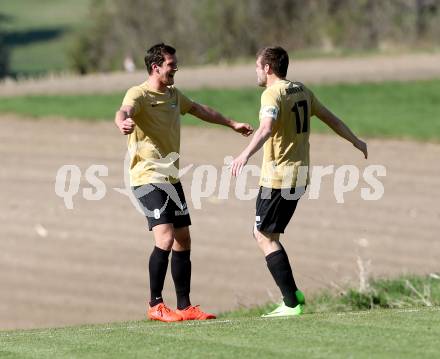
x=4, y=51
x=206, y=31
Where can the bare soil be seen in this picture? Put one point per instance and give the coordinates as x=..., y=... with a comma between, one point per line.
x=89, y=264
x=400, y=67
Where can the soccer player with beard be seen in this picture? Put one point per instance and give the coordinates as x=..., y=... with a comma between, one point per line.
x=285, y=112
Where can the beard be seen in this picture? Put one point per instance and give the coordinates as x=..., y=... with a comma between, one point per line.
x=169, y=80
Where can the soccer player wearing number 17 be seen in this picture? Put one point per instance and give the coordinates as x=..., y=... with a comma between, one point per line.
x=286, y=109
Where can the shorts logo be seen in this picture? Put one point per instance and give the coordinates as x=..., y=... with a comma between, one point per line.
x=257, y=219
x=183, y=212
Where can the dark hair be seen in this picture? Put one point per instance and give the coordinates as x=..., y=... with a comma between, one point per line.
x=155, y=55
x=277, y=58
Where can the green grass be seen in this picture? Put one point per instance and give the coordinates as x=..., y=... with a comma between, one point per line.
x=40, y=32
x=407, y=291
x=35, y=55
x=378, y=334
x=84, y=107
x=390, y=109
x=411, y=331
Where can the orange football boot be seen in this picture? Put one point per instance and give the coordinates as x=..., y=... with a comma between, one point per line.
x=194, y=313
x=163, y=313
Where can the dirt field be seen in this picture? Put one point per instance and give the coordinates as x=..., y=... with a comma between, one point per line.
x=88, y=264
x=321, y=70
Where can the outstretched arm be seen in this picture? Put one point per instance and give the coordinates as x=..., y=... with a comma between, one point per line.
x=260, y=137
x=208, y=114
x=336, y=124
x=123, y=119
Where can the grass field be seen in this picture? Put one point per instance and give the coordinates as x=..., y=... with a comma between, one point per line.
x=333, y=327
x=390, y=109
x=406, y=291
x=400, y=333
x=39, y=33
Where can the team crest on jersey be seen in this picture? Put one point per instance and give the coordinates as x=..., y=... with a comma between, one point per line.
x=269, y=111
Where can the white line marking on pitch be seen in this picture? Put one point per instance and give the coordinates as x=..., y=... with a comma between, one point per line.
x=365, y=312
x=49, y=332
x=187, y=324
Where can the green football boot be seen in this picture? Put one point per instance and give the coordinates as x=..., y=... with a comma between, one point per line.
x=284, y=311
x=300, y=297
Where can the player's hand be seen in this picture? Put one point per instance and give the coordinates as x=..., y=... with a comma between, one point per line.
x=361, y=146
x=126, y=126
x=237, y=164
x=244, y=128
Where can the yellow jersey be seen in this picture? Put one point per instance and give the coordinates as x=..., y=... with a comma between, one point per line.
x=154, y=144
x=286, y=153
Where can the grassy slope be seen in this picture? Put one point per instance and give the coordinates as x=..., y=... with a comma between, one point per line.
x=407, y=291
x=390, y=109
x=36, y=47
x=408, y=332
x=378, y=334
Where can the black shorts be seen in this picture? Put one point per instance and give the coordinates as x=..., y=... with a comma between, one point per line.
x=275, y=208
x=163, y=203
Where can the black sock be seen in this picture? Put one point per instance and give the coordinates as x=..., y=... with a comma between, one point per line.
x=279, y=266
x=181, y=272
x=158, y=269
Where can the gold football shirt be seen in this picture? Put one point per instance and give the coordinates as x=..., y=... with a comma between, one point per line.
x=154, y=144
x=286, y=153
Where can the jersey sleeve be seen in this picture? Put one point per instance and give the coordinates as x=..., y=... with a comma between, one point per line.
x=315, y=105
x=270, y=106
x=133, y=98
x=185, y=103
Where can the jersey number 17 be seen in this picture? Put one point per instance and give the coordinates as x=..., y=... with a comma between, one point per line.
x=305, y=123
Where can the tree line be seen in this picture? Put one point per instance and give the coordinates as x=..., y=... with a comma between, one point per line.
x=212, y=31
x=206, y=31
x=4, y=50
